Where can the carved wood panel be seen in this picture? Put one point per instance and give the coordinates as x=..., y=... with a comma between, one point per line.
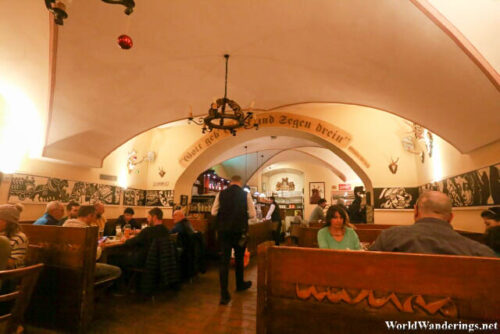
x=445, y=305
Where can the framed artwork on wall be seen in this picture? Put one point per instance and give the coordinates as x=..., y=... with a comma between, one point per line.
x=316, y=192
x=184, y=200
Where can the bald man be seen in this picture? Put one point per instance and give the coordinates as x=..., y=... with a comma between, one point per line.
x=432, y=232
x=182, y=225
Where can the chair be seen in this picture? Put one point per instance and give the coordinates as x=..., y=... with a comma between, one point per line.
x=192, y=257
x=160, y=269
x=15, y=294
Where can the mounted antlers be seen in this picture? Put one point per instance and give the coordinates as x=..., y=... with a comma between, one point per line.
x=393, y=166
x=161, y=171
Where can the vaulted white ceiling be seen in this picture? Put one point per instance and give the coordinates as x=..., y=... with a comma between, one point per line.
x=397, y=56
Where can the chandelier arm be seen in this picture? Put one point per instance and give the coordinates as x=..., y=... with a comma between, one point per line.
x=130, y=4
x=196, y=121
x=59, y=13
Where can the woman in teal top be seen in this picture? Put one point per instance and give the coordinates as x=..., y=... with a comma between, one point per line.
x=336, y=234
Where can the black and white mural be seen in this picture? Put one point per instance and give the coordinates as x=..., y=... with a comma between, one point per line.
x=476, y=188
x=38, y=189
x=136, y=197
x=159, y=197
x=395, y=197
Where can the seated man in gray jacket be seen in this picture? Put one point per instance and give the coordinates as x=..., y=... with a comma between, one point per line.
x=431, y=233
x=317, y=214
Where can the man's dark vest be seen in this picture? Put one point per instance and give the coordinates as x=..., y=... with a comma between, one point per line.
x=232, y=215
x=275, y=216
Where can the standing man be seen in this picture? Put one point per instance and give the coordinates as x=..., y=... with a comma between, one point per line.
x=357, y=209
x=233, y=207
x=72, y=210
x=273, y=214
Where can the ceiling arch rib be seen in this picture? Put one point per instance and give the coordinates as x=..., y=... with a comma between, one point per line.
x=248, y=166
x=302, y=151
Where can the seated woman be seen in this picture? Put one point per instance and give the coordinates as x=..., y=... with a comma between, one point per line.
x=492, y=239
x=13, y=242
x=337, y=234
x=491, y=217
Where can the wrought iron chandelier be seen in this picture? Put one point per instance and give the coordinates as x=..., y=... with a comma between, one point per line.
x=58, y=8
x=225, y=114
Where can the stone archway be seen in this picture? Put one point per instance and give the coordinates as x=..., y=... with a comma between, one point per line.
x=204, y=155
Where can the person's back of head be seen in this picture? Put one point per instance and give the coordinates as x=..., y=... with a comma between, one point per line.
x=86, y=213
x=156, y=215
x=433, y=204
x=237, y=180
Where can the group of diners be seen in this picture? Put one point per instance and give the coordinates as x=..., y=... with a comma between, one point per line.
x=14, y=243
x=431, y=233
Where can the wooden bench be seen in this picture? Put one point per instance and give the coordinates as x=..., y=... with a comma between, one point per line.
x=304, y=290
x=372, y=226
x=64, y=295
x=258, y=233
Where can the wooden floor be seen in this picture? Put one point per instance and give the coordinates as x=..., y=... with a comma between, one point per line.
x=193, y=309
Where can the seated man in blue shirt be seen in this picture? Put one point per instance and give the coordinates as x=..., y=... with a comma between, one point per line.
x=431, y=233
x=53, y=213
x=182, y=225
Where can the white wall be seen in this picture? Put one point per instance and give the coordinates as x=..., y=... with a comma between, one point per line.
x=313, y=172
x=115, y=164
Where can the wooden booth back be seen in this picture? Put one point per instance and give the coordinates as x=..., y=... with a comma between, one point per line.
x=258, y=233
x=305, y=290
x=307, y=236
x=63, y=296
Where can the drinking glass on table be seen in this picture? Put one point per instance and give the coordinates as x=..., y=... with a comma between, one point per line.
x=143, y=226
x=118, y=230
